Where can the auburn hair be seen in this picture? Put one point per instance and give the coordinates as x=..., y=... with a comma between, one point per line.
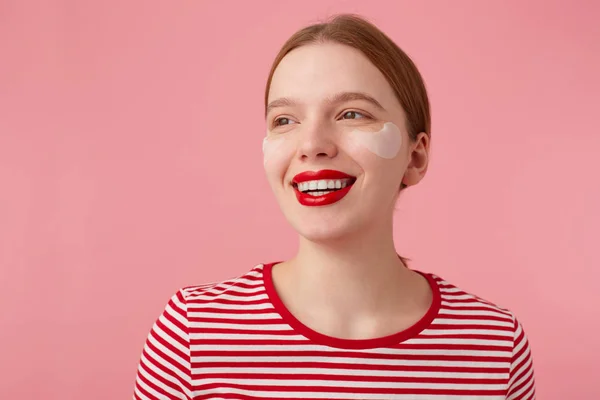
x=396, y=66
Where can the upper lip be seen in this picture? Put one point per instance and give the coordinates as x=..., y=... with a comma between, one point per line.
x=318, y=175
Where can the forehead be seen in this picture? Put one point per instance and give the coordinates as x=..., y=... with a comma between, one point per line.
x=315, y=72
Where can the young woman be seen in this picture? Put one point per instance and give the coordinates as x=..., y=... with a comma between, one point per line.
x=348, y=128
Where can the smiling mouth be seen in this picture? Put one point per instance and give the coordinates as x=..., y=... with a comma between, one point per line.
x=322, y=187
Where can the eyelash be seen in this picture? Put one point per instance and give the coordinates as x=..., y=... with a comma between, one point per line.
x=362, y=114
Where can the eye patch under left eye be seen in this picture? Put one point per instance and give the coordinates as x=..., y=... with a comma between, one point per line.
x=385, y=143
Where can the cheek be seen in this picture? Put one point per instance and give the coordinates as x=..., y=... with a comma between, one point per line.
x=277, y=153
x=376, y=152
x=385, y=143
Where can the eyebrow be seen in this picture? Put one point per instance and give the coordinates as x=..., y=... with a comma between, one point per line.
x=338, y=98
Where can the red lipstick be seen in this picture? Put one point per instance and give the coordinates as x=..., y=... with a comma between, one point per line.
x=333, y=196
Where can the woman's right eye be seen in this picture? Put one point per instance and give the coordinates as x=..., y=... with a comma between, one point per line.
x=282, y=121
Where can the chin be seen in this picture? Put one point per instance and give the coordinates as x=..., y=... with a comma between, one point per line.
x=330, y=223
x=321, y=231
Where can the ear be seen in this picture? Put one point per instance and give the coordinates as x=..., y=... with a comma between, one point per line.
x=418, y=160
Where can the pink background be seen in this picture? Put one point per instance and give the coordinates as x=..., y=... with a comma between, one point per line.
x=131, y=165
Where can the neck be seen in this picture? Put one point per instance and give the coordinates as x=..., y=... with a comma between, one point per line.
x=363, y=255
x=365, y=265
x=352, y=288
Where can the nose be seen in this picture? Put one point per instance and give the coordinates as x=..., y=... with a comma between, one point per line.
x=316, y=142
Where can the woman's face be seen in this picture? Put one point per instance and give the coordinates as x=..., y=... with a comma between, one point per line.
x=336, y=149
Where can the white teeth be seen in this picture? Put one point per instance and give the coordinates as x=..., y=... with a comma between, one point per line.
x=316, y=194
x=320, y=187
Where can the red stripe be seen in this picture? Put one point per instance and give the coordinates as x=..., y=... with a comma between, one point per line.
x=353, y=378
x=160, y=389
x=354, y=390
x=304, y=342
x=240, y=302
x=328, y=354
x=200, y=365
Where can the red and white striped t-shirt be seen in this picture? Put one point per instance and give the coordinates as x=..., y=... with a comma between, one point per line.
x=236, y=340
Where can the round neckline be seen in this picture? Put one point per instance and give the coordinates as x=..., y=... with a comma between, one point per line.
x=354, y=344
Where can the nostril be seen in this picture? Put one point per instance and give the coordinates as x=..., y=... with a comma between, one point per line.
x=318, y=155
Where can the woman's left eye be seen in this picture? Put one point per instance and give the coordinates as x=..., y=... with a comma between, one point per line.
x=352, y=115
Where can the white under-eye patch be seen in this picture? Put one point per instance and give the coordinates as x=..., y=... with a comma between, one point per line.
x=385, y=143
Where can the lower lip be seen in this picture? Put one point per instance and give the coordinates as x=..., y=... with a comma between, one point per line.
x=326, y=199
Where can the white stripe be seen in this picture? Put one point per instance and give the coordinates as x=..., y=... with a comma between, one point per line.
x=172, y=313
x=483, y=322
x=298, y=337
x=437, y=332
x=464, y=341
x=169, y=339
x=153, y=393
x=352, y=372
x=158, y=358
x=334, y=396
x=520, y=393
x=464, y=296
x=249, y=336
x=523, y=378
x=219, y=289
x=241, y=316
x=449, y=289
x=285, y=327
x=353, y=384
x=474, y=303
x=241, y=327
x=171, y=378
x=226, y=296
x=489, y=312
x=193, y=307
x=304, y=348
x=343, y=360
